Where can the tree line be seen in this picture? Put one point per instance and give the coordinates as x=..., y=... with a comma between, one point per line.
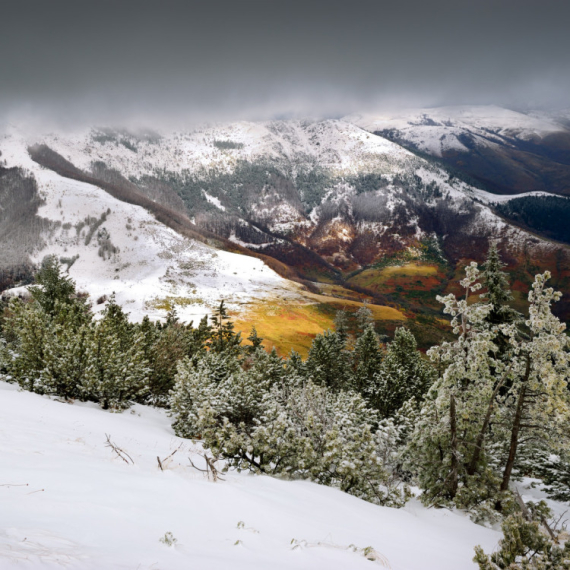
x=462, y=424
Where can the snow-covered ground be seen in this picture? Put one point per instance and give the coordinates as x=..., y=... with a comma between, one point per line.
x=67, y=501
x=489, y=198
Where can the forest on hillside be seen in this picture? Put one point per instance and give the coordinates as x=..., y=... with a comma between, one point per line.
x=547, y=215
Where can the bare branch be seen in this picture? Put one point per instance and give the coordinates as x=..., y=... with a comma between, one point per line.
x=120, y=452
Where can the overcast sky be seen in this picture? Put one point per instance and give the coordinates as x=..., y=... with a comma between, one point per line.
x=120, y=61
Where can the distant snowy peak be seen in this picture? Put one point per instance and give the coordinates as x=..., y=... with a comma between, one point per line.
x=509, y=152
x=109, y=246
x=436, y=130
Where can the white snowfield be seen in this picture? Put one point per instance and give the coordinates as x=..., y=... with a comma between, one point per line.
x=67, y=501
x=489, y=198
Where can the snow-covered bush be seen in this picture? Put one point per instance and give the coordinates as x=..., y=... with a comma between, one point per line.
x=526, y=545
x=270, y=424
x=219, y=384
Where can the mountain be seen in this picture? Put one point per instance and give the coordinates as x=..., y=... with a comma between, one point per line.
x=510, y=152
x=340, y=207
x=110, y=246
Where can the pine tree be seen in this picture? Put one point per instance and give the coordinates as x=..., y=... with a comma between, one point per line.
x=117, y=371
x=295, y=366
x=538, y=400
x=164, y=346
x=328, y=363
x=368, y=359
x=256, y=341
x=216, y=385
x=223, y=337
x=48, y=334
x=28, y=326
x=402, y=375
x=448, y=448
x=341, y=326
x=364, y=317
x=65, y=351
x=198, y=338
x=526, y=546
x=498, y=293
x=52, y=286
x=465, y=419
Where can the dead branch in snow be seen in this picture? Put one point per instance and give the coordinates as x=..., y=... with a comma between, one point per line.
x=162, y=462
x=120, y=452
x=210, y=466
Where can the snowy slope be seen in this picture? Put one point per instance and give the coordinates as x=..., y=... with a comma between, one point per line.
x=440, y=129
x=338, y=145
x=153, y=263
x=68, y=502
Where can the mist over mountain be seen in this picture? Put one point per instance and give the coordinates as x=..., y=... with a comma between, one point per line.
x=180, y=63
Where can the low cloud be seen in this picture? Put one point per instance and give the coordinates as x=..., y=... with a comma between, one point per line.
x=179, y=63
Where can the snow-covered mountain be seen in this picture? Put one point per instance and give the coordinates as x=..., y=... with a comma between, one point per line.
x=509, y=151
x=325, y=201
x=110, y=246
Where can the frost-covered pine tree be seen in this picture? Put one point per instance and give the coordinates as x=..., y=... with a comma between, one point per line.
x=52, y=286
x=28, y=326
x=215, y=387
x=538, y=401
x=47, y=349
x=403, y=374
x=117, y=371
x=328, y=362
x=65, y=352
x=295, y=366
x=466, y=441
x=364, y=317
x=498, y=293
x=526, y=545
x=367, y=361
x=448, y=447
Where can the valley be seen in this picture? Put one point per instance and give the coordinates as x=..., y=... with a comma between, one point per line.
x=270, y=214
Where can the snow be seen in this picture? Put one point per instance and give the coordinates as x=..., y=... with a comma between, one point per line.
x=489, y=198
x=338, y=145
x=437, y=130
x=214, y=200
x=69, y=502
x=153, y=263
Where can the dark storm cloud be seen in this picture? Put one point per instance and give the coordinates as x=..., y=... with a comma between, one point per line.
x=188, y=60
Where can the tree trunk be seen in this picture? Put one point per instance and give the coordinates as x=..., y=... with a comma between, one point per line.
x=454, y=461
x=514, y=440
x=516, y=429
x=481, y=436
